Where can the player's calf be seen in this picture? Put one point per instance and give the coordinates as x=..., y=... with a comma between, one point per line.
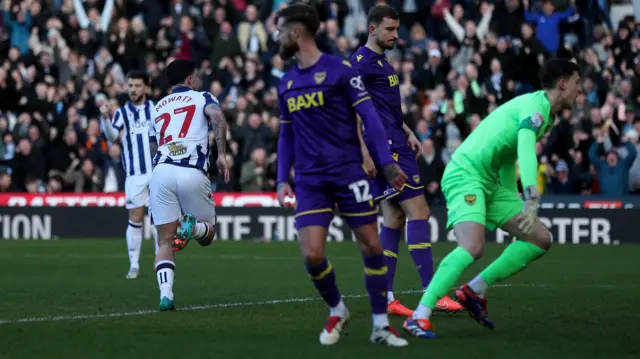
x=320, y=270
x=165, y=265
x=376, y=283
x=516, y=257
x=134, y=240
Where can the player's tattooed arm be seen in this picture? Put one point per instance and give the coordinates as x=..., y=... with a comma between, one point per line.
x=219, y=126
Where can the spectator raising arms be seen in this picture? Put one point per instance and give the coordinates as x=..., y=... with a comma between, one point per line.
x=456, y=61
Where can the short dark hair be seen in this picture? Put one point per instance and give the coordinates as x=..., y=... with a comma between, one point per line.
x=303, y=14
x=138, y=75
x=179, y=70
x=556, y=69
x=379, y=12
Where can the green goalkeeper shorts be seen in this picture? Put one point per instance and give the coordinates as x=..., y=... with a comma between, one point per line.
x=472, y=199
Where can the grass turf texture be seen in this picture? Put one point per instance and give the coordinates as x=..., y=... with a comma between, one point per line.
x=577, y=302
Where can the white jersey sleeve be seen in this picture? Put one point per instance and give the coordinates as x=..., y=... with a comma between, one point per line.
x=181, y=128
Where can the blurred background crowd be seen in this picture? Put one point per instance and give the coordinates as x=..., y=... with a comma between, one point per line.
x=456, y=59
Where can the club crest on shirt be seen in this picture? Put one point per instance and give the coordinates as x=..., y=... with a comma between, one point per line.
x=176, y=149
x=470, y=199
x=536, y=120
x=319, y=77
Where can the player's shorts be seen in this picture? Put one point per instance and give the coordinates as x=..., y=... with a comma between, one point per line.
x=472, y=199
x=136, y=191
x=179, y=190
x=315, y=203
x=406, y=159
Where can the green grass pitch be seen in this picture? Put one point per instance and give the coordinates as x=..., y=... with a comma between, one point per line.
x=69, y=299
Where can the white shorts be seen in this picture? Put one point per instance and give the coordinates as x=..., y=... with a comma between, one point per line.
x=179, y=190
x=136, y=191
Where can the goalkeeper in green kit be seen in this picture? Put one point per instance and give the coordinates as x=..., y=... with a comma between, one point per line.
x=480, y=188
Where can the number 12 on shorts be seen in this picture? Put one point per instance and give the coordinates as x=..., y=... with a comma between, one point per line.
x=360, y=191
x=189, y=111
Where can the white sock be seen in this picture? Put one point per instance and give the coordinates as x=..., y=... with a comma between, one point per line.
x=479, y=286
x=390, y=297
x=422, y=312
x=380, y=320
x=339, y=310
x=201, y=231
x=154, y=232
x=134, y=242
x=164, y=273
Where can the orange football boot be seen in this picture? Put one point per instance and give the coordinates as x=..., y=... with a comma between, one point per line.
x=395, y=308
x=447, y=304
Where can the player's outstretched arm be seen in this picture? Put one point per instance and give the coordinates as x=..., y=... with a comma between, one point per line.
x=219, y=127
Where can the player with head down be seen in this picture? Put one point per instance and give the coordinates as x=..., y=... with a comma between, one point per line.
x=181, y=201
x=480, y=187
x=383, y=85
x=318, y=135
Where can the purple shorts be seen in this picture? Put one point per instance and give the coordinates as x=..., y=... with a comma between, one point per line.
x=315, y=203
x=407, y=161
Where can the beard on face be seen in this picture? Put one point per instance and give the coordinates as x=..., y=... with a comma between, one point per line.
x=287, y=51
x=385, y=45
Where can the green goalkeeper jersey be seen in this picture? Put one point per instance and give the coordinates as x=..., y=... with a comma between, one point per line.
x=508, y=134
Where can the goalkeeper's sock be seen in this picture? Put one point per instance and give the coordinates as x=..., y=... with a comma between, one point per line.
x=479, y=286
x=515, y=258
x=445, y=277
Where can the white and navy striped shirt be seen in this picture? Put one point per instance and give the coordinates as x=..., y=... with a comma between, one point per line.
x=181, y=128
x=136, y=150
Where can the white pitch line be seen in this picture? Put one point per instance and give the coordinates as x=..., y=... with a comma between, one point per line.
x=181, y=309
x=143, y=312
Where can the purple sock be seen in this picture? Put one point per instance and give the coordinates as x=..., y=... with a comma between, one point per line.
x=324, y=278
x=419, y=240
x=390, y=239
x=376, y=282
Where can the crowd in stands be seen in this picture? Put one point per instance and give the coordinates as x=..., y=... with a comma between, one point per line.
x=456, y=60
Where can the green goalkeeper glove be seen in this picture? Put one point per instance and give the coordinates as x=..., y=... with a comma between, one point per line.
x=527, y=218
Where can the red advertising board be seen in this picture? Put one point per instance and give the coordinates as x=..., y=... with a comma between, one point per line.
x=265, y=199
